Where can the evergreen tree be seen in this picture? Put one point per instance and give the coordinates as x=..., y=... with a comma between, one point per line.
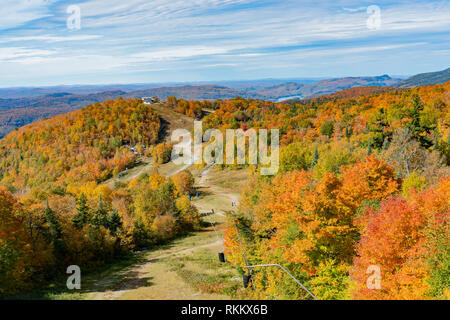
x=54, y=228
x=54, y=233
x=418, y=130
x=140, y=235
x=436, y=139
x=378, y=126
x=369, y=149
x=100, y=217
x=82, y=217
x=315, y=158
x=386, y=144
x=114, y=222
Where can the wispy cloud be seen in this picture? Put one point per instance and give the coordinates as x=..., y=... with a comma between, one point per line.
x=50, y=38
x=16, y=53
x=359, y=9
x=15, y=13
x=176, y=53
x=274, y=38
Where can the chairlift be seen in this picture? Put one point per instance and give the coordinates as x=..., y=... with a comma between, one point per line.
x=246, y=279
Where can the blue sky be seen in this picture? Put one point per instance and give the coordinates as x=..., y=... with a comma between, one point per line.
x=143, y=41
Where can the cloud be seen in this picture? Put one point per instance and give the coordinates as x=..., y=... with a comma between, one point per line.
x=118, y=37
x=177, y=52
x=355, y=9
x=50, y=38
x=15, y=13
x=14, y=53
x=359, y=49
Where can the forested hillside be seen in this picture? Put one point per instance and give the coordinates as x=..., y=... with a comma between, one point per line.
x=55, y=212
x=15, y=113
x=423, y=79
x=363, y=184
x=21, y=106
x=86, y=145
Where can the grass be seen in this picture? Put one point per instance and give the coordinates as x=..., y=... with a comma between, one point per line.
x=172, y=120
x=228, y=179
x=57, y=290
x=165, y=275
x=184, y=268
x=113, y=276
x=204, y=272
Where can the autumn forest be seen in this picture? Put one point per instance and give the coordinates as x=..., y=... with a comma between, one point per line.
x=363, y=184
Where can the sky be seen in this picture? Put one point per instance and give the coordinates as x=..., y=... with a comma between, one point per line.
x=59, y=42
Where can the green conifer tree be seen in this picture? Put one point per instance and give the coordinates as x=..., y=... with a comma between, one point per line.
x=54, y=228
x=114, y=222
x=82, y=217
x=100, y=217
x=315, y=158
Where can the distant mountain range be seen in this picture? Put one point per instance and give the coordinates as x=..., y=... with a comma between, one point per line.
x=19, y=112
x=204, y=92
x=250, y=85
x=21, y=106
x=425, y=79
x=332, y=85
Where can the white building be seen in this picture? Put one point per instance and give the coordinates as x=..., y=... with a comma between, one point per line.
x=150, y=100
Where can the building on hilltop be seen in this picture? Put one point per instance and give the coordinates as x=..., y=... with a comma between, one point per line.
x=150, y=100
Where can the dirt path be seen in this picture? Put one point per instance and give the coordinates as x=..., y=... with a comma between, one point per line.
x=139, y=273
x=170, y=121
x=153, y=278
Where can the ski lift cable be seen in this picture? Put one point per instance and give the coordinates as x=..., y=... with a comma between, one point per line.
x=240, y=243
x=217, y=234
x=282, y=268
x=249, y=268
